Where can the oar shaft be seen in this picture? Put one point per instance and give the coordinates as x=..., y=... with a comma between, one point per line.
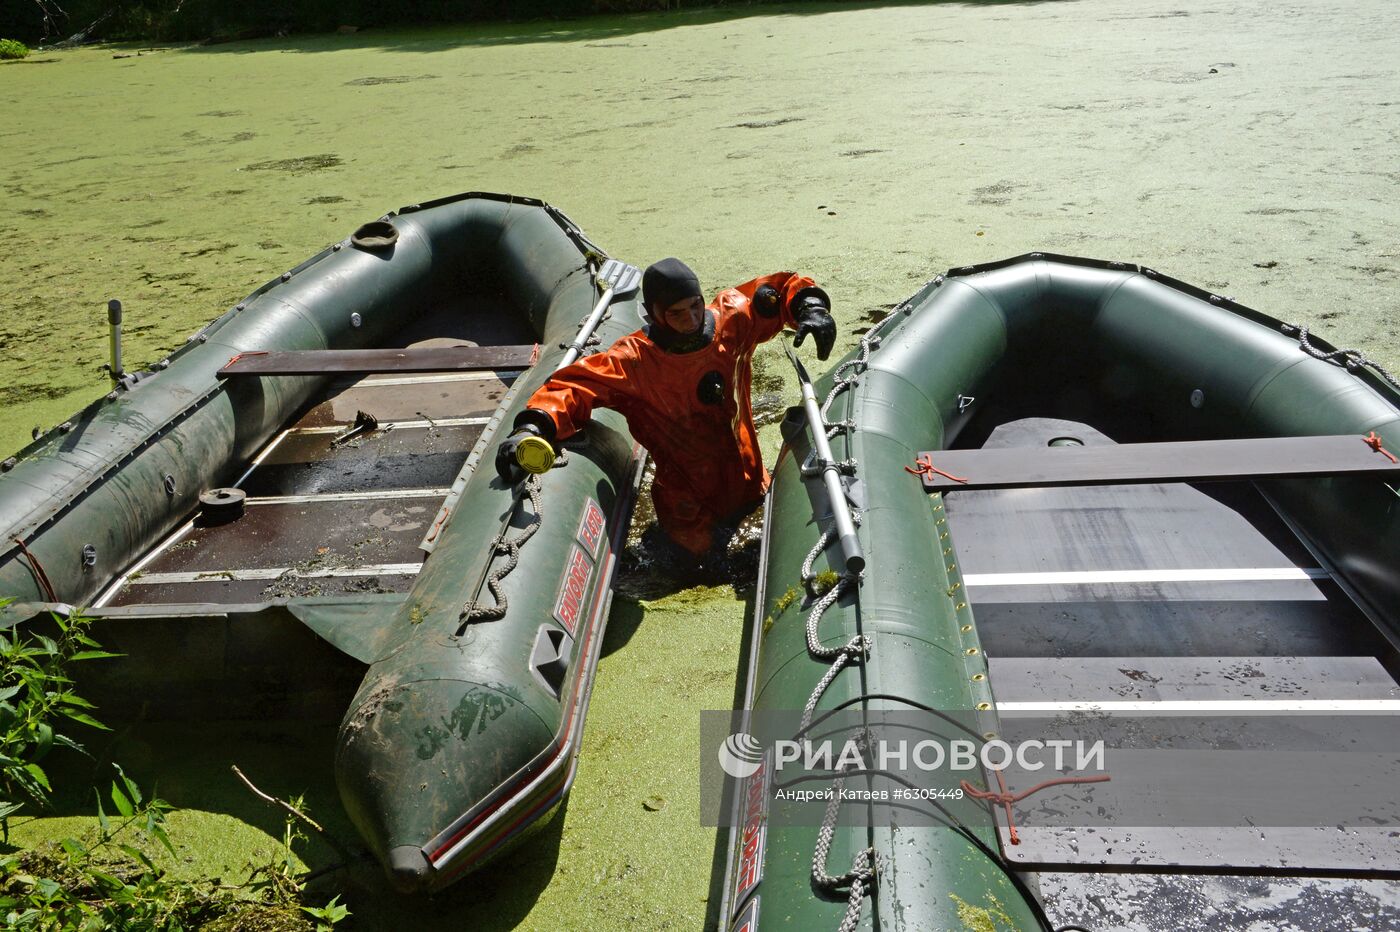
x=586, y=331
x=831, y=476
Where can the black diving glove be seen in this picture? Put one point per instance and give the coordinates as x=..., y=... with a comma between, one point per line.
x=537, y=452
x=814, y=317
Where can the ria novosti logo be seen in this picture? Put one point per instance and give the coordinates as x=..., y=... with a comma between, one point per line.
x=740, y=755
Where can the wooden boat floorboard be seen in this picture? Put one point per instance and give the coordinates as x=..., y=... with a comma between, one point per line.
x=399, y=475
x=1241, y=619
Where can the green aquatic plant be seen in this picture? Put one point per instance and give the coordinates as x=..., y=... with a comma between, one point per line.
x=782, y=602
x=13, y=49
x=823, y=582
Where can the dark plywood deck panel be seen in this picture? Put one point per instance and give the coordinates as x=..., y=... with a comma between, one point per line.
x=345, y=535
x=402, y=458
x=326, y=533
x=222, y=591
x=1173, y=628
x=389, y=399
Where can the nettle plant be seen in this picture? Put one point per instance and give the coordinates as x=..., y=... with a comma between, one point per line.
x=37, y=699
x=109, y=877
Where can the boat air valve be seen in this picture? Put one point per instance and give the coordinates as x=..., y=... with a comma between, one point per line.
x=89, y=556
x=1198, y=398
x=549, y=661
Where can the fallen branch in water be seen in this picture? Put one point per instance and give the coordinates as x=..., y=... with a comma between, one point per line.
x=330, y=839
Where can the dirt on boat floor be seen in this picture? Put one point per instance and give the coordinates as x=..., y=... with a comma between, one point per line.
x=1246, y=147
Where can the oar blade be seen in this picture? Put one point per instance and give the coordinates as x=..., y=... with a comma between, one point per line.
x=623, y=278
x=802, y=375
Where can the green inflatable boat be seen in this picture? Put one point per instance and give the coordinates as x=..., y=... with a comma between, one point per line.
x=291, y=504
x=1087, y=492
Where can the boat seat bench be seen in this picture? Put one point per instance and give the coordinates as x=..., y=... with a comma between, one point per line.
x=1137, y=463
x=369, y=361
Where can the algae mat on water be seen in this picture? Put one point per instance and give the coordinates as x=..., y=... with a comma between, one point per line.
x=1243, y=146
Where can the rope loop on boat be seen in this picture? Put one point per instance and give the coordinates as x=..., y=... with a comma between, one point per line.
x=865, y=866
x=502, y=546
x=860, y=879
x=853, y=651
x=840, y=382
x=1352, y=359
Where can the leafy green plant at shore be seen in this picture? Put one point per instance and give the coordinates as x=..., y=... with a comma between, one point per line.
x=109, y=878
x=37, y=698
x=13, y=48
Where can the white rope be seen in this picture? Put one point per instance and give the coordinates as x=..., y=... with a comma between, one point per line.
x=860, y=879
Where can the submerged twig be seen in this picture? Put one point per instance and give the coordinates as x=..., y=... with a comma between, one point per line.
x=303, y=817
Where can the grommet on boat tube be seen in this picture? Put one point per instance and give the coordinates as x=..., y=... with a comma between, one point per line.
x=375, y=236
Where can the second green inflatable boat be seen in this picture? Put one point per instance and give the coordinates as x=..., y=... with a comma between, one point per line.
x=1078, y=488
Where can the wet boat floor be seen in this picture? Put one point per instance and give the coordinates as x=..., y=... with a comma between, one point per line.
x=1174, y=593
x=325, y=515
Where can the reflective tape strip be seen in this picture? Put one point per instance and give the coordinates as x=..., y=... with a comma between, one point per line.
x=394, y=425
x=1202, y=706
x=263, y=454
x=1076, y=578
x=377, y=569
x=499, y=375
x=347, y=496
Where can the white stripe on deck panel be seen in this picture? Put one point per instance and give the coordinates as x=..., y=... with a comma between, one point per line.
x=1203, y=706
x=391, y=425
x=367, y=496
x=377, y=569
x=1090, y=577
x=500, y=375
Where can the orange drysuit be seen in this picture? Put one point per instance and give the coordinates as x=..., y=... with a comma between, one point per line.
x=708, y=465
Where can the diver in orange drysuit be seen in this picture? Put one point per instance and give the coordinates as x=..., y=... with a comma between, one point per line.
x=682, y=382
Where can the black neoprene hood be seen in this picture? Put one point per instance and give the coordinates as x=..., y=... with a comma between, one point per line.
x=668, y=281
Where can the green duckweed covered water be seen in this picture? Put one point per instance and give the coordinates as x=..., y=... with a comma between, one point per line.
x=1245, y=147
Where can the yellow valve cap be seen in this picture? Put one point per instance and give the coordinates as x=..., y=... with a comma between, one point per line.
x=534, y=454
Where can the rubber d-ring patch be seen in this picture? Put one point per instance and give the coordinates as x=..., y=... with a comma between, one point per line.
x=375, y=235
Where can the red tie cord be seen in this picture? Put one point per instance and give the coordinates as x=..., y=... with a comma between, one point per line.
x=38, y=571
x=1005, y=799
x=535, y=354
x=237, y=356
x=923, y=466
x=1374, y=441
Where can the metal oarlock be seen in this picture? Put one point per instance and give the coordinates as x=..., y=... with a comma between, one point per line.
x=114, y=319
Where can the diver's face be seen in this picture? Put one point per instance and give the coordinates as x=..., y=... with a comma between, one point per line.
x=686, y=316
